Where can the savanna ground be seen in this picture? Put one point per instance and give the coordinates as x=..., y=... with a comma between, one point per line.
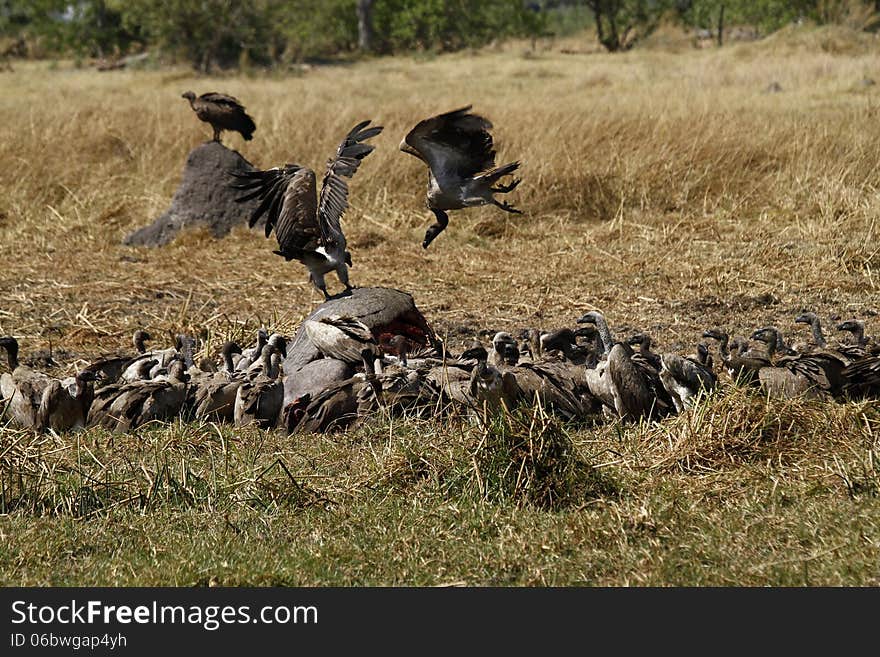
x=666, y=189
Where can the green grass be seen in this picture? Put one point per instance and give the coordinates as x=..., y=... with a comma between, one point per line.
x=407, y=502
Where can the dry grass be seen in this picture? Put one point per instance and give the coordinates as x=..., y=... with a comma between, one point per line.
x=667, y=190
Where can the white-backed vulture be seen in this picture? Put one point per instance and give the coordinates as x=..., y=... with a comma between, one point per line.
x=308, y=228
x=343, y=338
x=686, y=377
x=62, y=409
x=742, y=368
x=213, y=398
x=21, y=389
x=222, y=112
x=459, y=152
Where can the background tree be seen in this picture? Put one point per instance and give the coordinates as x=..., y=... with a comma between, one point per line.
x=365, y=24
x=209, y=33
x=620, y=23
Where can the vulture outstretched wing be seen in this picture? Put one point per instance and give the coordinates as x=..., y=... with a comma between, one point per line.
x=288, y=197
x=289, y=200
x=334, y=190
x=455, y=143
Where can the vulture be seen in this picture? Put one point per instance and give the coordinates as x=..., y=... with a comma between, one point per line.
x=250, y=355
x=307, y=225
x=685, y=377
x=459, y=152
x=863, y=345
x=742, y=367
x=597, y=378
x=403, y=386
x=845, y=352
x=334, y=407
x=214, y=397
x=818, y=374
x=223, y=113
x=490, y=389
x=109, y=368
x=269, y=362
x=564, y=341
x=99, y=411
x=343, y=338
x=21, y=389
x=862, y=378
x=141, y=401
x=62, y=409
x=623, y=381
x=182, y=349
x=259, y=399
x=505, y=351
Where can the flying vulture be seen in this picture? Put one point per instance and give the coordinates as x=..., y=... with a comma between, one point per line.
x=458, y=150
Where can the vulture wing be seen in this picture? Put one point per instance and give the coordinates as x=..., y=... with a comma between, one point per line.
x=334, y=190
x=456, y=143
x=228, y=113
x=289, y=201
x=221, y=99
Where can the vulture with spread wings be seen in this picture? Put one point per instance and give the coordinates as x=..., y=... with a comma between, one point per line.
x=307, y=226
x=458, y=150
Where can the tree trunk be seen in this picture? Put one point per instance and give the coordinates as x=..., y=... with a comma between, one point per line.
x=606, y=11
x=365, y=24
x=721, y=26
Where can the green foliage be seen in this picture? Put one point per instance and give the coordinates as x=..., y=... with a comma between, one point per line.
x=225, y=33
x=35, y=20
x=451, y=24
x=209, y=33
x=318, y=28
x=770, y=15
x=620, y=23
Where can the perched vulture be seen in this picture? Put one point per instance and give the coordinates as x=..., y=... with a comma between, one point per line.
x=307, y=226
x=223, y=113
x=458, y=150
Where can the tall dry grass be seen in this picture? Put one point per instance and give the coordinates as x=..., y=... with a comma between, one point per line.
x=667, y=190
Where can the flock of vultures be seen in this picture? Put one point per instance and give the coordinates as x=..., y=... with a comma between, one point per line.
x=355, y=368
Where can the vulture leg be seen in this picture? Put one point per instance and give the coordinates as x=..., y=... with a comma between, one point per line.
x=342, y=273
x=319, y=283
x=216, y=133
x=436, y=228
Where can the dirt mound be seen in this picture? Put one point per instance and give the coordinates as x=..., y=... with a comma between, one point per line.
x=204, y=198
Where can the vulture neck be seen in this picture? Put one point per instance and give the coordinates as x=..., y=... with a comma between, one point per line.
x=605, y=335
x=816, y=328
x=12, y=355
x=859, y=334
x=230, y=366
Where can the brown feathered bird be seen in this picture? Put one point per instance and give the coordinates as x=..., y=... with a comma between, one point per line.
x=308, y=227
x=223, y=113
x=459, y=152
